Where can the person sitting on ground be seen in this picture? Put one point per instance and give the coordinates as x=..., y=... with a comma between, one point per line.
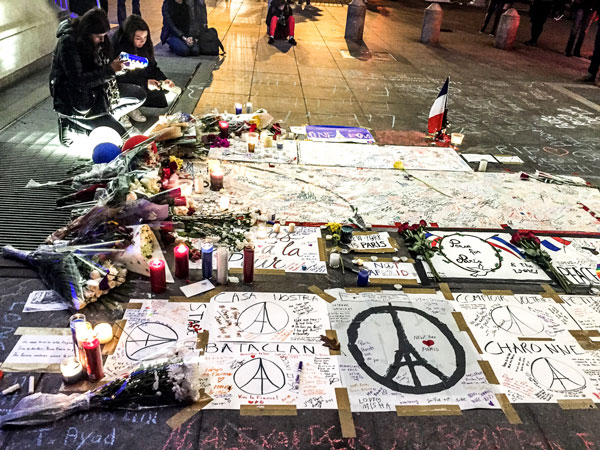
x=595, y=62
x=82, y=78
x=183, y=23
x=133, y=37
x=280, y=20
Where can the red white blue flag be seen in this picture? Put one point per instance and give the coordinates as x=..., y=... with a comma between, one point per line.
x=439, y=111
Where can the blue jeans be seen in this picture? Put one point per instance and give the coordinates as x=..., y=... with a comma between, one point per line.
x=122, y=12
x=180, y=48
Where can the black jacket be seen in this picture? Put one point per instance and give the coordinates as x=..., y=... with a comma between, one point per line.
x=275, y=11
x=77, y=79
x=137, y=76
x=197, y=24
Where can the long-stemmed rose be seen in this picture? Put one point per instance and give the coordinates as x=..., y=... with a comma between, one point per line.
x=416, y=240
x=530, y=244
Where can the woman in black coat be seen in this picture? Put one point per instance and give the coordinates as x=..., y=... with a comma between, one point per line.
x=133, y=37
x=82, y=78
x=183, y=23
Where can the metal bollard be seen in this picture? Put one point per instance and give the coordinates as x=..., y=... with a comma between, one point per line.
x=355, y=20
x=432, y=22
x=507, y=30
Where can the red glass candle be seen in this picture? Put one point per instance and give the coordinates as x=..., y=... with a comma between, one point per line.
x=223, y=129
x=180, y=201
x=158, y=277
x=182, y=261
x=216, y=179
x=93, y=356
x=248, y=264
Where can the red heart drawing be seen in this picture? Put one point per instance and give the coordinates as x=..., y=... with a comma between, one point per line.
x=428, y=342
x=250, y=401
x=252, y=356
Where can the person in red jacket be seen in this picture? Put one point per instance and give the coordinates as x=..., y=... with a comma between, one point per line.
x=280, y=20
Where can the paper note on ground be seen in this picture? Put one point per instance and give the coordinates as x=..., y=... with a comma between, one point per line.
x=44, y=301
x=42, y=350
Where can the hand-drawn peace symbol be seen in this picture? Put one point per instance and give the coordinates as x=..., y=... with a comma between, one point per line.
x=263, y=318
x=148, y=339
x=406, y=355
x=259, y=376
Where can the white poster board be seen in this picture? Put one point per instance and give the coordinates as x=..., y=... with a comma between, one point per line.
x=390, y=270
x=39, y=351
x=372, y=242
x=578, y=259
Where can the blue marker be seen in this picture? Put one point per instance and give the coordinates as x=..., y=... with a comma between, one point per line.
x=297, y=381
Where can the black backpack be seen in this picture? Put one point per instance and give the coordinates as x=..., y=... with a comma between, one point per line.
x=209, y=43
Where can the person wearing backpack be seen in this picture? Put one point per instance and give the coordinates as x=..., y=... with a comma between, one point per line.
x=133, y=37
x=82, y=78
x=280, y=20
x=183, y=21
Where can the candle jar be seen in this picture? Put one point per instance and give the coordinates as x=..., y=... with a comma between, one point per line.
x=248, y=270
x=198, y=184
x=82, y=330
x=223, y=129
x=363, y=278
x=276, y=228
x=93, y=356
x=252, y=139
x=279, y=141
x=216, y=179
x=334, y=260
x=222, y=265
x=71, y=370
x=182, y=261
x=291, y=227
x=346, y=234
x=248, y=108
x=158, y=276
x=180, y=201
x=238, y=108
x=73, y=320
x=207, y=260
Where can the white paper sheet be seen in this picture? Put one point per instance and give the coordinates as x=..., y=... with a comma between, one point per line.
x=44, y=301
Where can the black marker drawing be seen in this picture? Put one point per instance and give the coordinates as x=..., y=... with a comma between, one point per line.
x=406, y=355
x=556, y=375
x=149, y=338
x=263, y=318
x=259, y=376
x=470, y=253
x=516, y=320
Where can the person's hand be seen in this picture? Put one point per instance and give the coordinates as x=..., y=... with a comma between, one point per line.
x=117, y=65
x=168, y=83
x=153, y=85
x=188, y=40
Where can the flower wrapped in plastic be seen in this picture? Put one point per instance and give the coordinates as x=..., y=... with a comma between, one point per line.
x=79, y=276
x=174, y=382
x=416, y=240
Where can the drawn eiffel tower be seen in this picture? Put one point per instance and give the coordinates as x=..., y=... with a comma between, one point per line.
x=263, y=319
x=150, y=339
x=407, y=355
x=514, y=321
x=261, y=375
x=557, y=376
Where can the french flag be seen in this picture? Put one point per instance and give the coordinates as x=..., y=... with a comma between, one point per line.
x=439, y=111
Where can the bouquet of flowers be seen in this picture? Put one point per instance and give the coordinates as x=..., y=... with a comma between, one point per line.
x=166, y=384
x=530, y=244
x=77, y=277
x=416, y=240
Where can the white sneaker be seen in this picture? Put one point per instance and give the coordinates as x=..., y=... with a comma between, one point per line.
x=125, y=121
x=137, y=116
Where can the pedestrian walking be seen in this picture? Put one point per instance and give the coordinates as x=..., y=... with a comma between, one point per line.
x=538, y=13
x=584, y=12
x=595, y=62
x=496, y=7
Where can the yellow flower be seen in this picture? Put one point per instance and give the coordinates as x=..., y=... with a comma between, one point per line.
x=179, y=161
x=399, y=165
x=334, y=226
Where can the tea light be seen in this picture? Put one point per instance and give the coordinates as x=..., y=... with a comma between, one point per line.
x=224, y=203
x=158, y=277
x=71, y=370
x=262, y=232
x=334, y=260
x=291, y=227
x=198, y=184
x=252, y=139
x=276, y=228
x=216, y=179
x=456, y=138
x=182, y=261
x=223, y=129
x=105, y=332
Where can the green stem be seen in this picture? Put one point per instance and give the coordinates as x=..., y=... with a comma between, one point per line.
x=564, y=283
x=433, y=271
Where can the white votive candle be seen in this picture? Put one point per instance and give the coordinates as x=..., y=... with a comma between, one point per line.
x=71, y=370
x=222, y=265
x=105, y=332
x=334, y=260
x=276, y=228
x=292, y=227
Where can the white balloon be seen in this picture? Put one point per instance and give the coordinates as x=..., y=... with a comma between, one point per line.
x=104, y=134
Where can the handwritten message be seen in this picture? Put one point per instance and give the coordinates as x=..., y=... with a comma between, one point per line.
x=391, y=271
x=40, y=350
x=377, y=242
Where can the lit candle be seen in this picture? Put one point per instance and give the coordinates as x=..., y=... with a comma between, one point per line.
x=238, y=108
x=216, y=179
x=222, y=265
x=104, y=332
x=268, y=141
x=158, y=276
x=248, y=270
x=180, y=201
x=363, y=278
x=72, y=322
x=224, y=203
x=71, y=370
x=186, y=188
x=262, y=232
x=198, y=184
x=82, y=330
x=207, y=259
x=223, y=129
x=334, y=260
x=93, y=356
x=182, y=261
x=276, y=228
x=252, y=141
x=291, y=227
x=213, y=164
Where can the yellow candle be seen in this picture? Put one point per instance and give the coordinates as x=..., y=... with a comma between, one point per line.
x=105, y=332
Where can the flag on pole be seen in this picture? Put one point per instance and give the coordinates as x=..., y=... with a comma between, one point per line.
x=438, y=115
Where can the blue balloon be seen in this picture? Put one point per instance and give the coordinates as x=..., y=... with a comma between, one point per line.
x=105, y=152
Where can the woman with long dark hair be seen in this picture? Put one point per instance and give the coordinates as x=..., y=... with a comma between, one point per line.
x=82, y=78
x=183, y=23
x=133, y=37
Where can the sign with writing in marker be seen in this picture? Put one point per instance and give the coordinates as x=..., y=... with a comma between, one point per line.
x=39, y=350
x=578, y=259
x=325, y=133
x=384, y=270
x=372, y=242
